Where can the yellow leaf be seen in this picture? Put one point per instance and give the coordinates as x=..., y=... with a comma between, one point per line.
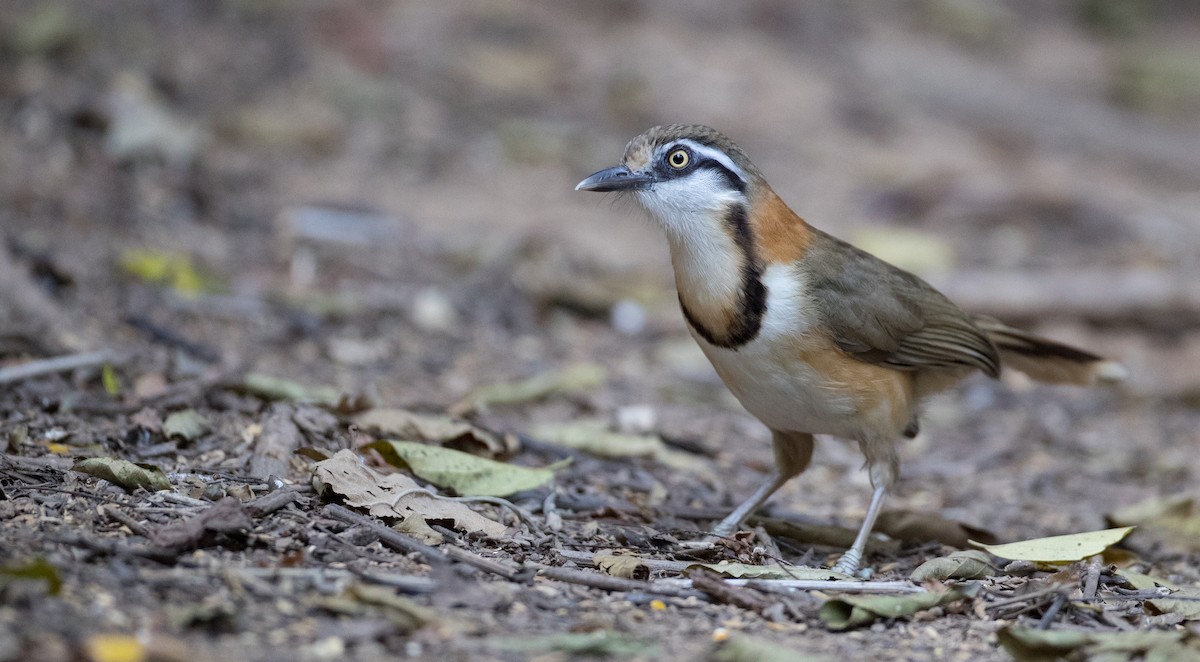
x=110, y=380
x=1059, y=549
x=114, y=648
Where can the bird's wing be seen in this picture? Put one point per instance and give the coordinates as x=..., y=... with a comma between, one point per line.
x=884, y=315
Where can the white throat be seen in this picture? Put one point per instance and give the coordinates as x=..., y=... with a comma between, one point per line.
x=708, y=262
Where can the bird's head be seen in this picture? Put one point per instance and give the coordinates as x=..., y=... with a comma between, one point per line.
x=683, y=174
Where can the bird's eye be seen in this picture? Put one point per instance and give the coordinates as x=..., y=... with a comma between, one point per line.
x=679, y=159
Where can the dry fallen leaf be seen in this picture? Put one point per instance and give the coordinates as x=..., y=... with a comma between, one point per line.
x=968, y=564
x=851, y=611
x=918, y=527
x=1058, y=549
x=1172, y=520
x=187, y=424
x=628, y=567
x=462, y=472
x=394, y=495
x=443, y=430
x=124, y=473
x=576, y=378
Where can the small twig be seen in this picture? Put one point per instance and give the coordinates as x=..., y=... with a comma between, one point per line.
x=63, y=363
x=85, y=495
x=832, y=585
x=1024, y=597
x=723, y=592
x=483, y=563
x=1091, y=581
x=269, y=503
x=413, y=584
x=617, y=584
x=386, y=535
x=661, y=565
x=120, y=516
x=1052, y=612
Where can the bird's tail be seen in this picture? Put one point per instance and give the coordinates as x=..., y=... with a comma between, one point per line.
x=1047, y=360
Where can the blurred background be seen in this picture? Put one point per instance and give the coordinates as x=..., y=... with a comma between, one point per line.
x=378, y=196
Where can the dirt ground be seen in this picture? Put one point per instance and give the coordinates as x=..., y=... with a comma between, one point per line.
x=258, y=229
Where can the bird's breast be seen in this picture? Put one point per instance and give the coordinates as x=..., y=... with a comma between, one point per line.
x=792, y=376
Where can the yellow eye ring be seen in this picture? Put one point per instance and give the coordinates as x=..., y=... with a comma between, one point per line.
x=679, y=159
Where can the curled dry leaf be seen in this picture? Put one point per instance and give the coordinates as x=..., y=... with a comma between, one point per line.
x=627, y=567
x=1185, y=602
x=444, y=430
x=849, y=611
x=394, y=495
x=968, y=564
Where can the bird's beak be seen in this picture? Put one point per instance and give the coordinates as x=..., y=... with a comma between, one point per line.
x=616, y=178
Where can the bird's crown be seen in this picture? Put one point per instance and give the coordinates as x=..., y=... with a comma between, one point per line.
x=644, y=148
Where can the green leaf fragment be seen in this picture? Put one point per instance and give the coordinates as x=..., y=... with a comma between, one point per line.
x=37, y=569
x=464, y=473
x=277, y=388
x=1025, y=643
x=110, y=380
x=605, y=643
x=124, y=473
x=848, y=612
x=745, y=648
x=188, y=424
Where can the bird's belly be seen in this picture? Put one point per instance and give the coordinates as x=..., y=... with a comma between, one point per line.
x=803, y=385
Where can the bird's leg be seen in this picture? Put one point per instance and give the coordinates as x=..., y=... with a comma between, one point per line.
x=848, y=564
x=731, y=523
x=884, y=465
x=793, y=452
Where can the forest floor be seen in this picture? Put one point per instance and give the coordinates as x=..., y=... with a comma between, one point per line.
x=264, y=236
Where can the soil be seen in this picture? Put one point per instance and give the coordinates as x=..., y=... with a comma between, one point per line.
x=372, y=203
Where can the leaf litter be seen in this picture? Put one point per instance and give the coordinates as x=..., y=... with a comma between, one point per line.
x=415, y=321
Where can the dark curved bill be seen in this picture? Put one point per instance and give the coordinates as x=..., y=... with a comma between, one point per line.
x=616, y=178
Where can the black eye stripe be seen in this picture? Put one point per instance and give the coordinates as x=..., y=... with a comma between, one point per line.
x=730, y=177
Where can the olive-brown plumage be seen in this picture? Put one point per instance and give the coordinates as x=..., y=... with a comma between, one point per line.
x=812, y=335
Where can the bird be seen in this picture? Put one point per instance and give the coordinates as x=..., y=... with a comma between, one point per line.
x=812, y=335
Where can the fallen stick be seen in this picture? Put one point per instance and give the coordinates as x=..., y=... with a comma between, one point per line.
x=794, y=585
x=389, y=537
x=617, y=584
x=63, y=363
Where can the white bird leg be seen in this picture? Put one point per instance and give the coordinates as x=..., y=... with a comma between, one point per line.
x=848, y=564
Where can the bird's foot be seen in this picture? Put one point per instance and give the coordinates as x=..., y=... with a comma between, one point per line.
x=848, y=564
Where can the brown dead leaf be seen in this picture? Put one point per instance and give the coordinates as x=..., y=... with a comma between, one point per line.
x=225, y=517
x=444, y=430
x=394, y=495
x=911, y=526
